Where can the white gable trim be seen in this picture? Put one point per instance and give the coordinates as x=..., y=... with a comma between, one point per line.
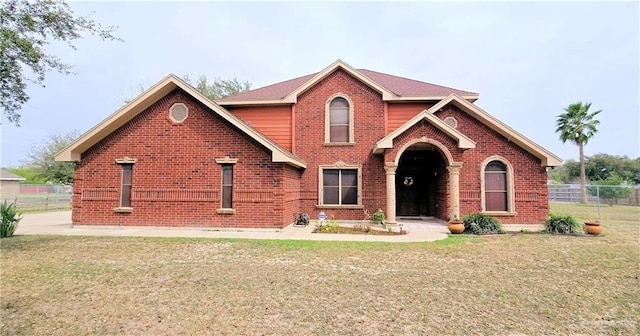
x=387, y=142
x=293, y=96
x=547, y=158
x=73, y=152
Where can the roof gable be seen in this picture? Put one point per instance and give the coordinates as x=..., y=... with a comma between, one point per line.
x=74, y=151
x=387, y=142
x=547, y=158
x=392, y=88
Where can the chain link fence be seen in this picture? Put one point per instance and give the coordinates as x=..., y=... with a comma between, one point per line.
x=596, y=194
x=41, y=197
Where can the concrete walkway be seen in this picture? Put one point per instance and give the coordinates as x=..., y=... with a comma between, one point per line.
x=59, y=223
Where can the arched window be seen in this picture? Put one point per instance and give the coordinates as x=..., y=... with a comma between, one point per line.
x=339, y=125
x=496, y=192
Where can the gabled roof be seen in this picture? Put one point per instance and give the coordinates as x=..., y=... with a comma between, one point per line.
x=387, y=142
x=74, y=151
x=392, y=88
x=547, y=158
x=9, y=176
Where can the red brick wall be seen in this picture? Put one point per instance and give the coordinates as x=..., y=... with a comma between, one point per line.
x=530, y=178
x=309, y=143
x=174, y=160
x=531, y=199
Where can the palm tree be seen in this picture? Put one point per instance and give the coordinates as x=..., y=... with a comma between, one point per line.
x=577, y=125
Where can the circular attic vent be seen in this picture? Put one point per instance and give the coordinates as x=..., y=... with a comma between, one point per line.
x=178, y=112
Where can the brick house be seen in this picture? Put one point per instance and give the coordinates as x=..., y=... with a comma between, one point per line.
x=340, y=141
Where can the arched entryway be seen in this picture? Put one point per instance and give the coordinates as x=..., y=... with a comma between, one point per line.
x=443, y=187
x=421, y=182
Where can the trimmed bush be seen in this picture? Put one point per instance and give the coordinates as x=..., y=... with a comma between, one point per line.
x=481, y=224
x=563, y=224
x=10, y=218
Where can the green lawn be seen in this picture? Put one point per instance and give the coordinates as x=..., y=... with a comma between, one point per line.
x=524, y=284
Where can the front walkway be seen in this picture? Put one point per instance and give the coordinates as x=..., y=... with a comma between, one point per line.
x=59, y=223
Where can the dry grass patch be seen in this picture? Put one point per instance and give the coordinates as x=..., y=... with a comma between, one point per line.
x=521, y=284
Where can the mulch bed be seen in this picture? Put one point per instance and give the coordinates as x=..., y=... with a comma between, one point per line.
x=352, y=230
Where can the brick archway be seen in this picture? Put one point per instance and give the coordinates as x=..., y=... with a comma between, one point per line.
x=452, y=167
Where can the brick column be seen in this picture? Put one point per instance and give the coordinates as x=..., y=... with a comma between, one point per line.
x=390, y=169
x=454, y=189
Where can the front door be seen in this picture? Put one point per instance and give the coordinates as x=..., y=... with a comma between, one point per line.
x=412, y=187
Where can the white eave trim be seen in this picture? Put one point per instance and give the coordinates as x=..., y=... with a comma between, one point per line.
x=547, y=158
x=74, y=151
x=290, y=100
x=464, y=142
x=293, y=96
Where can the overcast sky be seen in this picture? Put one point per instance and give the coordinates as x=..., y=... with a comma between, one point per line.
x=528, y=61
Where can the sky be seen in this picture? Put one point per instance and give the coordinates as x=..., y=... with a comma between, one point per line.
x=527, y=60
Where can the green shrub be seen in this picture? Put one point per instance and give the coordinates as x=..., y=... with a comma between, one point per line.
x=564, y=224
x=10, y=218
x=379, y=217
x=481, y=224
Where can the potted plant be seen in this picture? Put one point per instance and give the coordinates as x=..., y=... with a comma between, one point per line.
x=455, y=225
x=593, y=227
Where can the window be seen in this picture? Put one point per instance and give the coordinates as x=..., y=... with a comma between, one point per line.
x=339, y=120
x=497, y=186
x=495, y=179
x=178, y=112
x=340, y=185
x=126, y=164
x=227, y=186
x=125, y=193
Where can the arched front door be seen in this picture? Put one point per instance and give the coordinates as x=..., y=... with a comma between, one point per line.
x=421, y=182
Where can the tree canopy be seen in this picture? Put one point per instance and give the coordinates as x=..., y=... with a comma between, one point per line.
x=42, y=158
x=216, y=89
x=578, y=125
x=598, y=167
x=26, y=28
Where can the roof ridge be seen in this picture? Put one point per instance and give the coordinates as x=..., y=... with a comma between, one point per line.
x=415, y=80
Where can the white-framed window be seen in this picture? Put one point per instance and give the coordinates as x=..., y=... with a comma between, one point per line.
x=126, y=183
x=178, y=112
x=339, y=120
x=340, y=185
x=497, y=186
x=226, y=185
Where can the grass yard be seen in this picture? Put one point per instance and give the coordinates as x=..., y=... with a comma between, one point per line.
x=525, y=284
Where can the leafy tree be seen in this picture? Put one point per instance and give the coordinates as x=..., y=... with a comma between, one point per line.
x=217, y=89
x=578, y=125
x=611, y=188
x=26, y=28
x=29, y=173
x=42, y=158
x=598, y=167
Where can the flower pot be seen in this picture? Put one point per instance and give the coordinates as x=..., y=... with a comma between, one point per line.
x=593, y=228
x=456, y=227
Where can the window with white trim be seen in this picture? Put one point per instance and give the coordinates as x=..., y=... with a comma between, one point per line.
x=497, y=186
x=126, y=183
x=227, y=186
x=339, y=120
x=340, y=185
x=125, y=194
